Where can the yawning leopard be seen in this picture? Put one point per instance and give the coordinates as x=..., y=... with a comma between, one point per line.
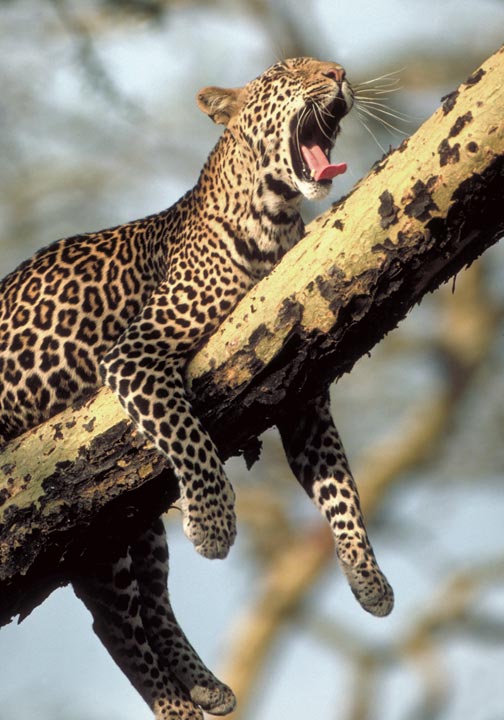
x=127, y=306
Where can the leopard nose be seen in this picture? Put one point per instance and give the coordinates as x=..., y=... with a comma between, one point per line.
x=337, y=74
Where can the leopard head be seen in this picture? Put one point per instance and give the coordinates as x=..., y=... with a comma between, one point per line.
x=289, y=118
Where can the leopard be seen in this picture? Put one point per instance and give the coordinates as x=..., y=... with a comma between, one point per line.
x=127, y=307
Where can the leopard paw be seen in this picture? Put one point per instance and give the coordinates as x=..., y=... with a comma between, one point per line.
x=370, y=586
x=218, y=699
x=175, y=705
x=212, y=532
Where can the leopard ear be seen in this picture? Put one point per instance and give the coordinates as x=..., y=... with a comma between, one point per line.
x=221, y=104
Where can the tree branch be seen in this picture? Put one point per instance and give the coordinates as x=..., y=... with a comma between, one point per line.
x=85, y=481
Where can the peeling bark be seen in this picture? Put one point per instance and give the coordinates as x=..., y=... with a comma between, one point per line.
x=84, y=480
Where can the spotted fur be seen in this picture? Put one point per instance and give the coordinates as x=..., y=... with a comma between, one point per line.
x=317, y=458
x=128, y=305
x=133, y=617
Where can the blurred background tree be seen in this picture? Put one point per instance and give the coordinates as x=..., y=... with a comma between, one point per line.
x=98, y=125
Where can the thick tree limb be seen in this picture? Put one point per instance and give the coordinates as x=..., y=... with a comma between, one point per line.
x=84, y=480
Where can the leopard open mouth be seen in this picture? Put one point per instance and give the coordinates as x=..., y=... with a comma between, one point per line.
x=313, y=133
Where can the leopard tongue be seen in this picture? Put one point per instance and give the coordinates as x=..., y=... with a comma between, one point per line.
x=320, y=167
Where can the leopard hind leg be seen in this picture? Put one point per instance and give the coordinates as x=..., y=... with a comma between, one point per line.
x=110, y=591
x=150, y=559
x=317, y=457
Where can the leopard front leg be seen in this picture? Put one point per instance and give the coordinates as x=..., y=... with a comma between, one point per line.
x=317, y=458
x=145, y=369
x=150, y=560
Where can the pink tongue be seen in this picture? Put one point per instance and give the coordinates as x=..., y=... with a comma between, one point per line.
x=319, y=165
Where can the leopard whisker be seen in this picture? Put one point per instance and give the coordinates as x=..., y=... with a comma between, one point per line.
x=374, y=93
x=389, y=78
x=299, y=126
x=382, y=109
x=317, y=111
x=368, y=129
x=381, y=120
